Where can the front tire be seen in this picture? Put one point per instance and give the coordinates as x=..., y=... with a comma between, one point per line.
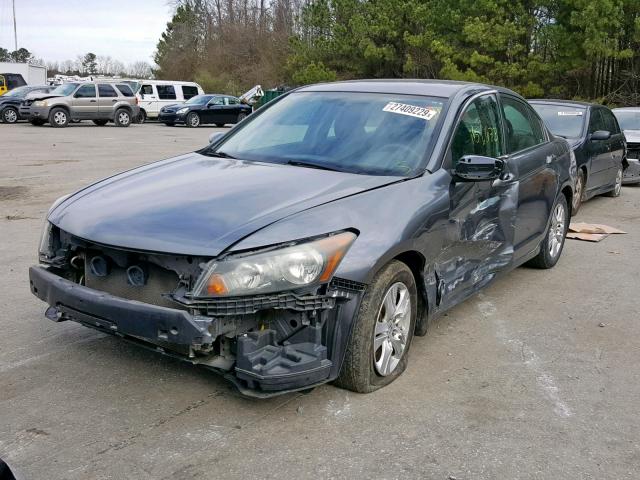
x=553, y=243
x=578, y=194
x=59, y=118
x=617, y=188
x=9, y=115
x=192, y=120
x=122, y=118
x=377, y=352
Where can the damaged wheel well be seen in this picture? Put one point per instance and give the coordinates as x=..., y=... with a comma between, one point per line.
x=568, y=194
x=416, y=263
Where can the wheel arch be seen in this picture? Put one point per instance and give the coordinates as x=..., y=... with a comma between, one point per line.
x=416, y=263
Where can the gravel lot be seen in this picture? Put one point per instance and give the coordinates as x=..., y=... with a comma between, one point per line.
x=538, y=377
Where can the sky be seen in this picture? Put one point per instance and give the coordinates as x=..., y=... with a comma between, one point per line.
x=57, y=30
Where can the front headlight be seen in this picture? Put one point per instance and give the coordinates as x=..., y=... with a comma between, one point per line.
x=288, y=268
x=46, y=250
x=40, y=103
x=183, y=110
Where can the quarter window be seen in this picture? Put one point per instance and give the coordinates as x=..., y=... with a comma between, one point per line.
x=86, y=91
x=478, y=132
x=232, y=101
x=521, y=130
x=189, y=91
x=166, y=92
x=105, y=90
x=125, y=90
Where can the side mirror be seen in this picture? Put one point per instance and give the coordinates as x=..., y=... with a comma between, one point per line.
x=476, y=168
x=215, y=136
x=600, y=135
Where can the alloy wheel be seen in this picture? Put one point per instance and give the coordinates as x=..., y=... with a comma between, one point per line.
x=392, y=329
x=618, y=187
x=10, y=115
x=60, y=118
x=577, y=197
x=124, y=118
x=557, y=230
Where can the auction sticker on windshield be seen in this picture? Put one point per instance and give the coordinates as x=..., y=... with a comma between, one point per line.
x=569, y=114
x=426, y=113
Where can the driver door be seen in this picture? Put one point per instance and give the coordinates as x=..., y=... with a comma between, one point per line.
x=481, y=213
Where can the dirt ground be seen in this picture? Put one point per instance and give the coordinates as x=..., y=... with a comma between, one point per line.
x=538, y=377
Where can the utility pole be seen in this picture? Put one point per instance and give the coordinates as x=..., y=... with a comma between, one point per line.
x=15, y=32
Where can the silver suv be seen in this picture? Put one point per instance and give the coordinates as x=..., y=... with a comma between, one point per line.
x=101, y=102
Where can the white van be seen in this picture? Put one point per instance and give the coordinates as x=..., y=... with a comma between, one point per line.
x=155, y=94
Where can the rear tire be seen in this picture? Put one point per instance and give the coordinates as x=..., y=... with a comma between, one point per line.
x=192, y=120
x=375, y=356
x=553, y=243
x=9, y=115
x=122, y=117
x=241, y=116
x=59, y=118
x=578, y=194
x=142, y=117
x=617, y=189
x=100, y=123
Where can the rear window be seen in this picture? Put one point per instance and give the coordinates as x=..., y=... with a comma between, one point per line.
x=125, y=90
x=189, y=91
x=166, y=92
x=106, y=90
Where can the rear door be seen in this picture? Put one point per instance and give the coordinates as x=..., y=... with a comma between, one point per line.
x=615, y=142
x=232, y=109
x=107, y=98
x=481, y=214
x=215, y=111
x=529, y=156
x=85, y=103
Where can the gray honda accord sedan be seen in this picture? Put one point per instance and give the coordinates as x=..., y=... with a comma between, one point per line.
x=312, y=242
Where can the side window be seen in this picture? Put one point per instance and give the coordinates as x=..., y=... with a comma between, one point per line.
x=166, y=92
x=189, y=91
x=146, y=90
x=217, y=101
x=478, y=132
x=596, y=122
x=538, y=128
x=125, y=90
x=521, y=132
x=233, y=101
x=105, y=90
x=86, y=91
x=609, y=121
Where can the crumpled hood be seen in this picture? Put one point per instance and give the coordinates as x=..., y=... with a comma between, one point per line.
x=632, y=136
x=199, y=205
x=41, y=96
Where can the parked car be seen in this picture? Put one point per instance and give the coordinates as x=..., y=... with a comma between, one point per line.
x=203, y=109
x=9, y=81
x=629, y=121
x=309, y=243
x=100, y=102
x=10, y=102
x=155, y=94
x=596, y=140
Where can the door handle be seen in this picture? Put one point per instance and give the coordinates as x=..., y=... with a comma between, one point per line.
x=92, y=101
x=114, y=101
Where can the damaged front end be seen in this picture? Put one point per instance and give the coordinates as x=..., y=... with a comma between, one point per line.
x=269, y=320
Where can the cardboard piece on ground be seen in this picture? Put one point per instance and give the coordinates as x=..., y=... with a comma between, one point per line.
x=580, y=227
x=587, y=237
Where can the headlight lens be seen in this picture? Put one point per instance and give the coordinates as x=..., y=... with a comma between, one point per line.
x=46, y=249
x=40, y=103
x=183, y=110
x=288, y=268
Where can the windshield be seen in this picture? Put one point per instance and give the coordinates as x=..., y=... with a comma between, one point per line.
x=369, y=133
x=562, y=120
x=17, y=92
x=628, y=119
x=64, y=89
x=198, y=100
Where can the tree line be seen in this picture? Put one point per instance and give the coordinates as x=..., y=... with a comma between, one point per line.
x=581, y=49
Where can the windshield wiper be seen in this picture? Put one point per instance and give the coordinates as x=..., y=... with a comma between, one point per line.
x=221, y=155
x=301, y=163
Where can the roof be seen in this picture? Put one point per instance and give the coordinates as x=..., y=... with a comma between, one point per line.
x=573, y=103
x=626, y=109
x=436, y=88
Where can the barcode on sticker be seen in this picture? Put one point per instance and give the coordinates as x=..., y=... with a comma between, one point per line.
x=426, y=113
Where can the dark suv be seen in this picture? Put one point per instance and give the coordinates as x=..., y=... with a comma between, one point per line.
x=597, y=141
x=10, y=102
